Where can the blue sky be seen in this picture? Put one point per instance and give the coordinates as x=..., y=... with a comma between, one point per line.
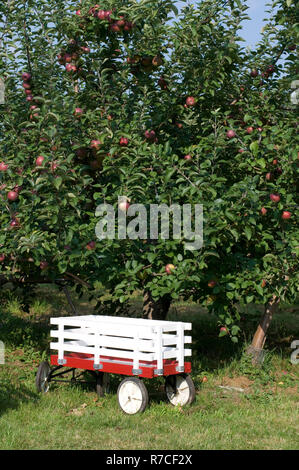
x=252, y=29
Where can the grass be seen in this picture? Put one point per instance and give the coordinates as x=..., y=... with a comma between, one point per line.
x=71, y=416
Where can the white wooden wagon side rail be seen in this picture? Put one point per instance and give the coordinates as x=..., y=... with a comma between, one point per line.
x=106, y=338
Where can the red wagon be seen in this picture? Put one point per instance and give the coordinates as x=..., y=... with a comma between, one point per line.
x=135, y=348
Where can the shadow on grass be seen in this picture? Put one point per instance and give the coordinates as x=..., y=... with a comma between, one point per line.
x=12, y=395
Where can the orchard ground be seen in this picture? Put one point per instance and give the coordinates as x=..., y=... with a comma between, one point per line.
x=263, y=416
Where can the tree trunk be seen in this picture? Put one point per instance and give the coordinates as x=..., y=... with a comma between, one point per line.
x=155, y=309
x=258, y=341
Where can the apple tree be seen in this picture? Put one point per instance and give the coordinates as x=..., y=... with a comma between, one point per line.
x=138, y=100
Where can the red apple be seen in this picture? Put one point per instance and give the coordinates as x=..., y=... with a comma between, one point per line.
x=12, y=195
x=26, y=76
x=231, y=134
x=275, y=197
x=3, y=166
x=249, y=130
x=150, y=135
x=286, y=215
x=91, y=245
x=14, y=223
x=26, y=85
x=263, y=283
x=2, y=258
x=39, y=161
x=78, y=112
x=263, y=211
x=78, y=12
x=169, y=268
x=123, y=141
x=187, y=157
x=212, y=283
x=275, y=161
x=43, y=265
x=190, y=101
x=254, y=73
x=268, y=176
x=95, y=144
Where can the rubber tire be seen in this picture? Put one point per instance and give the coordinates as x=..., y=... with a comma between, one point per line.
x=142, y=388
x=171, y=383
x=42, y=374
x=102, y=384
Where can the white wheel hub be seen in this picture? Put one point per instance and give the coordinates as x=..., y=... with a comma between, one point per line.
x=130, y=397
x=180, y=394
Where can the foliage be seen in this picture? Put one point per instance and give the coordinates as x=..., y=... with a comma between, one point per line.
x=97, y=82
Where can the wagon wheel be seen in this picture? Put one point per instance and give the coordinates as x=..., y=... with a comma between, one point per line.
x=132, y=395
x=102, y=383
x=41, y=379
x=180, y=389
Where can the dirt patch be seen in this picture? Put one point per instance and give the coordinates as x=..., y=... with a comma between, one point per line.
x=238, y=382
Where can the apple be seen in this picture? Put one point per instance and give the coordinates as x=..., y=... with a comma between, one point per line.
x=263, y=283
x=241, y=150
x=43, y=265
x=187, y=157
x=128, y=26
x=263, y=211
x=254, y=73
x=3, y=166
x=85, y=49
x=150, y=135
x=2, y=258
x=275, y=161
x=91, y=245
x=275, y=197
x=268, y=176
x=162, y=83
x=157, y=61
x=29, y=98
x=286, y=215
x=124, y=205
x=121, y=22
x=114, y=27
x=12, y=195
x=78, y=12
x=96, y=164
x=223, y=328
x=26, y=76
x=249, y=130
x=270, y=69
x=123, y=141
x=14, y=223
x=70, y=68
x=95, y=144
x=27, y=86
x=169, y=268
x=190, y=101
x=39, y=161
x=212, y=283
x=231, y=134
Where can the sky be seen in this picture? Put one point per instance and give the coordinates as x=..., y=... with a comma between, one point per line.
x=252, y=29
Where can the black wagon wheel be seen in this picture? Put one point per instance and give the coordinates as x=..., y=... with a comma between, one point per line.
x=42, y=375
x=132, y=395
x=102, y=383
x=180, y=389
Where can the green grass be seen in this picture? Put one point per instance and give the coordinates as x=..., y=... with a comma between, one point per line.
x=264, y=416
